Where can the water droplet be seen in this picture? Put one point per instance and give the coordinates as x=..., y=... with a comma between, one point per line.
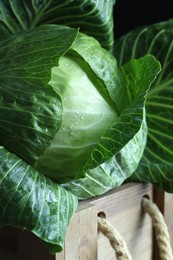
x=82, y=117
x=63, y=128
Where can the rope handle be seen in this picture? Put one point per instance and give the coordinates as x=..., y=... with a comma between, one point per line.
x=162, y=235
x=160, y=227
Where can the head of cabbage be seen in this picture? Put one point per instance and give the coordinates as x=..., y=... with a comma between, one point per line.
x=88, y=109
x=69, y=111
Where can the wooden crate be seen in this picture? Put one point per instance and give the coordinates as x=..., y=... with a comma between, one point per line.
x=122, y=207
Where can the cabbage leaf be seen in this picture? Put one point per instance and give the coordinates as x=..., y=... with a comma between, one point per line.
x=156, y=165
x=31, y=111
x=31, y=201
x=92, y=17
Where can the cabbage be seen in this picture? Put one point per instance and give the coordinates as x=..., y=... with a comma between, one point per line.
x=86, y=115
x=72, y=121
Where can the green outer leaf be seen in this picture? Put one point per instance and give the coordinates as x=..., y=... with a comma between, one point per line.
x=30, y=110
x=93, y=17
x=129, y=133
x=31, y=201
x=113, y=172
x=139, y=75
x=157, y=163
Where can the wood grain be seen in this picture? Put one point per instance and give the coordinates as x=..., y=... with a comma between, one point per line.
x=123, y=209
x=169, y=214
x=81, y=237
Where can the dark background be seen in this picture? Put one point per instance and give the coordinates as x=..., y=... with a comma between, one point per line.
x=131, y=14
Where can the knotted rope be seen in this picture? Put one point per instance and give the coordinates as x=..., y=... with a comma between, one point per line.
x=161, y=231
x=115, y=239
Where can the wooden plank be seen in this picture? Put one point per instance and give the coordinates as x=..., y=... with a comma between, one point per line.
x=60, y=256
x=164, y=201
x=16, y=244
x=8, y=244
x=31, y=247
x=8, y=255
x=169, y=214
x=159, y=200
x=81, y=237
x=123, y=209
x=8, y=239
